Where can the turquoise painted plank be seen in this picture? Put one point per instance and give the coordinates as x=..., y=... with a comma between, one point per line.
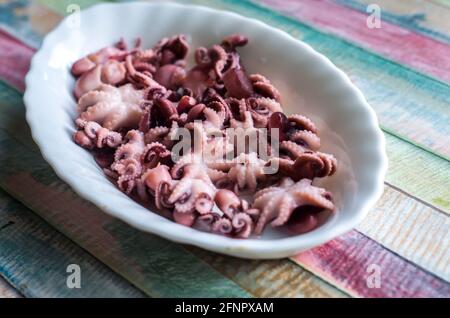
x=34, y=258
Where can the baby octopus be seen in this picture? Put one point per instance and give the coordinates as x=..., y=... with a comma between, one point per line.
x=278, y=203
x=132, y=104
x=112, y=107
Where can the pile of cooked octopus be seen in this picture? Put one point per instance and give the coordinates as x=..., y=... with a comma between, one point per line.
x=132, y=101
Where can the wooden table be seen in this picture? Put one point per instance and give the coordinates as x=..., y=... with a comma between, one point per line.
x=403, y=68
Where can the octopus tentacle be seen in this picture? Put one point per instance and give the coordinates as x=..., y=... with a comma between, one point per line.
x=222, y=226
x=279, y=202
x=302, y=123
x=156, y=134
x=112, y=107
x=261, y=109
x=242, y=224
x=154, y=176
x=92, y=135
x=154, y=154
x=306, y=138
x=264, y=87
x=292, y=149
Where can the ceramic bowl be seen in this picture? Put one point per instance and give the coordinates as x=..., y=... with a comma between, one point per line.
x=309, y=83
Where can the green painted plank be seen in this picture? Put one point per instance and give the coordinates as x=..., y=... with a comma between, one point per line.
x=411, y=229
x=34, y=258
x=418, y=172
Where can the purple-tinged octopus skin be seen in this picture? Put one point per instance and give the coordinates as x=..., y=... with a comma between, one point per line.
x=154, y=176
x=170, y=76
x=307, y=165
x=90, y=61
x=245, y=171
x=278, y=203
x=91, y=80
x=161, y=113
x=127, y=161
x=112, y=107
x=197, y=81
x=237, y=217
x=193, y=192
x=214, y=59
x=171, y=50
x=163, y=135
x=154, y=154
x=239, y=226
x=113, y=72
x=237, y=83
x=92, y=135
x=264, y=87
x=262, y=109
x=232, y=41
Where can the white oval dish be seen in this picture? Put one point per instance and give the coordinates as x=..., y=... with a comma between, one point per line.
x=310, y=84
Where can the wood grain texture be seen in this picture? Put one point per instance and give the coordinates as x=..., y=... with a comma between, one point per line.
x=58, y=204
x=8, y=291
x=426, y=17
x=425, y=54
x=415, y=231
x=419, y=173
x=350, y=260
x=270, y=278
x=34, y=258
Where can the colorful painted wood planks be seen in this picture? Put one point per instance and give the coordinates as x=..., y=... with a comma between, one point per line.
x=414, y=248
x=34, y=258
x=61, y=204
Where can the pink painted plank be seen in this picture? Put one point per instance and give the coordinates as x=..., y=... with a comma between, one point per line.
x=404, y=46
x=15, y=60
x=349, y=260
